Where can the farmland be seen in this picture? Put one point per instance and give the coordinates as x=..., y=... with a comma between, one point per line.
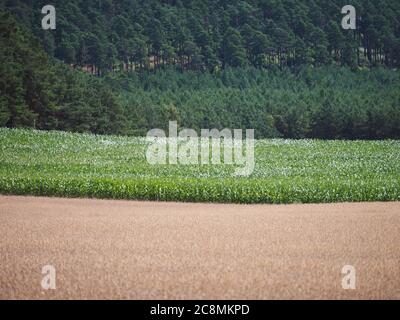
x=115, y=167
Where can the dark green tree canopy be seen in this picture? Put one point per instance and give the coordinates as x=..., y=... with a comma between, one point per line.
x=206, y=34
x=285, y=68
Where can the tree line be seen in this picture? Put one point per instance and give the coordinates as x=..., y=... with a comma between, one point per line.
x=275, y=96
x=106, y=35
x=328, y=102
x=40, y=92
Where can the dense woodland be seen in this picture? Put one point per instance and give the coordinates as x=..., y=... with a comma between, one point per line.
x=283, y=67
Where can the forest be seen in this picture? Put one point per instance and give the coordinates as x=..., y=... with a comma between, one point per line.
x=285, y=68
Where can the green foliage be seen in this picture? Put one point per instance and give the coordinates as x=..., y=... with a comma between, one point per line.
x=284, y=68
x=22, y=80
x=206, y=34
x=234, y=53
x=326, y=102
x=45, y=94
x=286, y=171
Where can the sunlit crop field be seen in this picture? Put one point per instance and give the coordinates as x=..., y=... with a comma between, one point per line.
x=286, y=171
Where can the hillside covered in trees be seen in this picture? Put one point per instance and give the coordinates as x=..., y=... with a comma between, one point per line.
x=210, y=34
x=283, y=67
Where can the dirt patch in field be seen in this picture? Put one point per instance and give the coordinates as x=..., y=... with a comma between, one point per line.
x=145, y=250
